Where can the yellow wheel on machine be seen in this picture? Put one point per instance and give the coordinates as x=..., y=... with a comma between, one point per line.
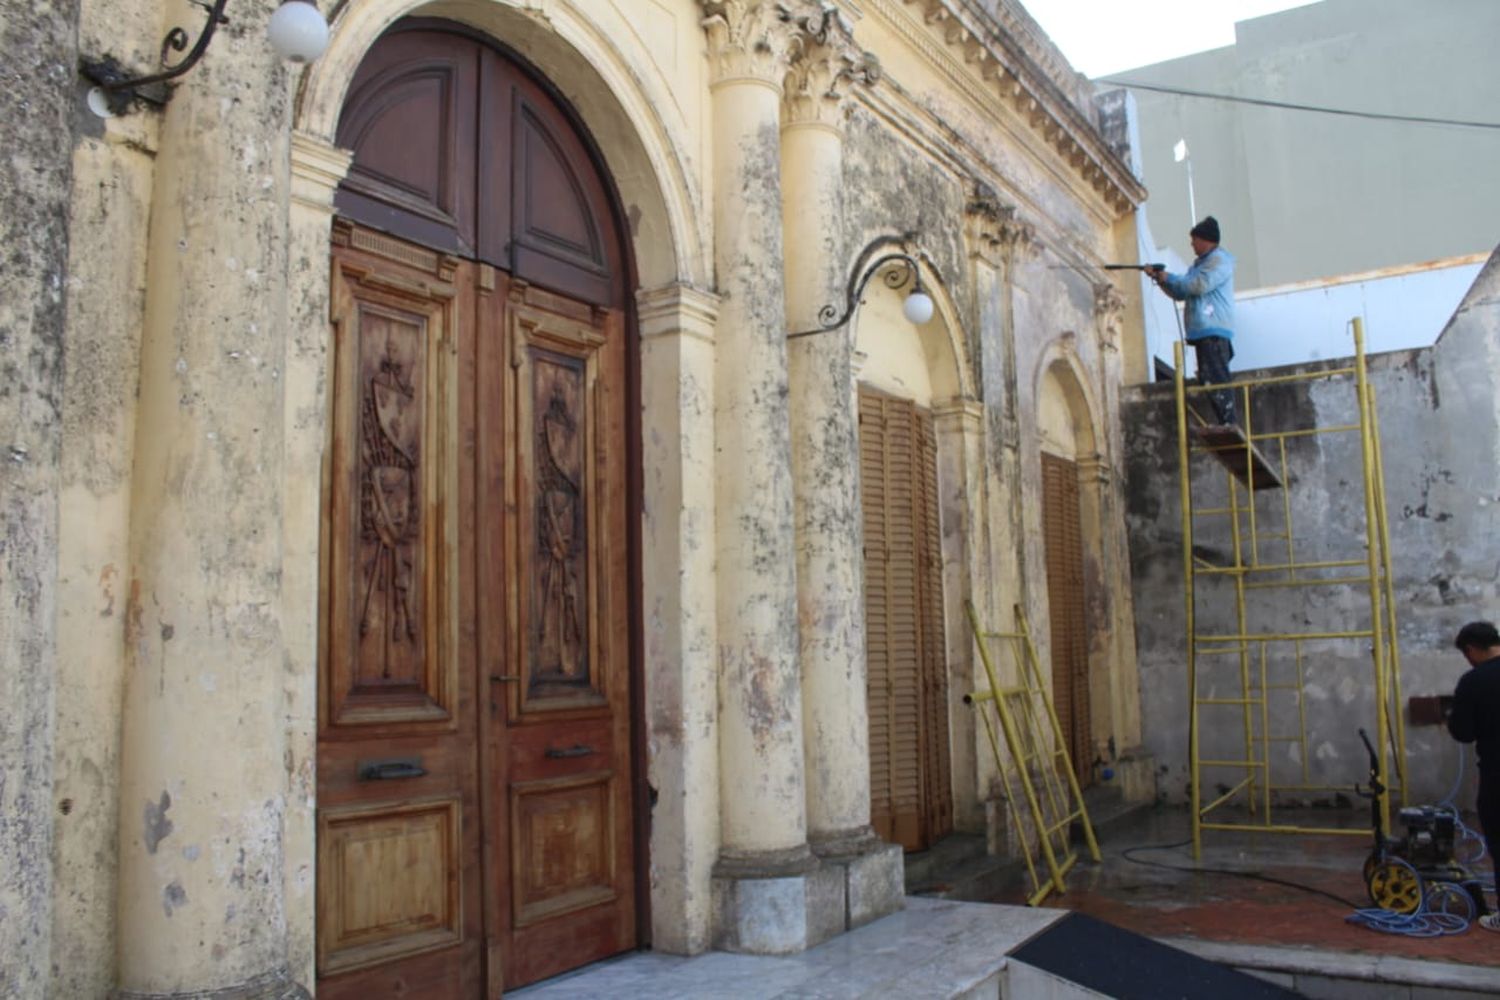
x=1395, y=885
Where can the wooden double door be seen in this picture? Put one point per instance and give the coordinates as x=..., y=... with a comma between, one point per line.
x=477, y=807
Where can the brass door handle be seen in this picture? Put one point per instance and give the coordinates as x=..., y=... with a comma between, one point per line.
x=505, y=678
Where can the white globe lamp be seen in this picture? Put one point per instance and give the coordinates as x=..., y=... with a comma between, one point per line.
x=918, y=307
x=298, y=32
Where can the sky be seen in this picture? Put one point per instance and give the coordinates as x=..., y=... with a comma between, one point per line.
x=1100, y=37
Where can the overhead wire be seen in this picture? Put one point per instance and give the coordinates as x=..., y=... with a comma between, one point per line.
x=1294, y=106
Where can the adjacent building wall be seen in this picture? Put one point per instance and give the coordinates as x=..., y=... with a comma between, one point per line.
x=1440, y=436
x=1302, y=195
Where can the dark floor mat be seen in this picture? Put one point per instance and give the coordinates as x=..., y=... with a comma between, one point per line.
x=1128, y=966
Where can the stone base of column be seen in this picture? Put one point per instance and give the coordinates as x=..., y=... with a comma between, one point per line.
x=777, y=904
x=874, y=874
x=272, y=986
x=1135, y=770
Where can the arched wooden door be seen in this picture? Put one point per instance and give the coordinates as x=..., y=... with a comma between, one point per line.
x=477, y=813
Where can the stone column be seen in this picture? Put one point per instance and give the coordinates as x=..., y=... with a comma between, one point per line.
x=677, y=403
x=997, y=239
x=36, y=183
x=204, y=729
x=1134, y=767
x=825, y=467
x=317, y=168
x=765, y=867
x=962, y=489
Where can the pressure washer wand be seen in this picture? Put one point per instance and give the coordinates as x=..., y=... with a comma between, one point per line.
x=1108, y=267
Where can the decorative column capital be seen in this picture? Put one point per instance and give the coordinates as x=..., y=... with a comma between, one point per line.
x=1109, y=310
x=1094, y=469
x=995, y=231
x=748, y=40
x=826, y=67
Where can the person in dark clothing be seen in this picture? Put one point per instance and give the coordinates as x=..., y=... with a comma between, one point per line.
x=1475, y=718
x=1207, y=291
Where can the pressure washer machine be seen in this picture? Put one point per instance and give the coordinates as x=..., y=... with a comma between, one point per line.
x=1401, y=872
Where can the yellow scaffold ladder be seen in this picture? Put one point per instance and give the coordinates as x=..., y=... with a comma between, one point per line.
x=1243, y=650
x=1038, y=760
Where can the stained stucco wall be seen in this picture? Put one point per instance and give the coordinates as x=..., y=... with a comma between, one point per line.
x=40, y=42
x=142, y=516
x=1440, y=436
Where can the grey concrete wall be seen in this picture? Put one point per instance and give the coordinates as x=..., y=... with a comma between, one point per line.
x=36, y=107
x=1302, y=195
x=1440, y=432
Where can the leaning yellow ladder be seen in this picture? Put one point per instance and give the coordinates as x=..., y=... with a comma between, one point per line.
x=1038, y=757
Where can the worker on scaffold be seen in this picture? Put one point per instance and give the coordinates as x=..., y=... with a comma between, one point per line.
x=1207, y=291
x=1475, y=718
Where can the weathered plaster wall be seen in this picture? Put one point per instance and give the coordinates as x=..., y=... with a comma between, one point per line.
x=1021, y=306
x=211, y=474
x=113, y=164
x=113, y=175
x=1440, y=442
x=40, y=42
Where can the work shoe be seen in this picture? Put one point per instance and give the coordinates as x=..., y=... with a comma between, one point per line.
x=1490, y=921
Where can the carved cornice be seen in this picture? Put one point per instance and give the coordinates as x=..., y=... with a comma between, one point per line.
x=1004, y=55
x=317, y=169
x=826, y=66
x=748, y=39
x=677, y=309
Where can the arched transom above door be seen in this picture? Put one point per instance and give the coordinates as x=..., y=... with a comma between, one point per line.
x=457, y=148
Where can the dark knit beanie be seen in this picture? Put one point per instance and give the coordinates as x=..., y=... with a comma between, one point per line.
x=1208, y=229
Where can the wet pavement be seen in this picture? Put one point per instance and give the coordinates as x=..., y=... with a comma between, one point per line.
x=1142, y=887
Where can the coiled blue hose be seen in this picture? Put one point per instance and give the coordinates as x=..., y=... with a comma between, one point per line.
x=1426, y=922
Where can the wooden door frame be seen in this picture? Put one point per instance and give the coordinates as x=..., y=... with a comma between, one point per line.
x=633, y=599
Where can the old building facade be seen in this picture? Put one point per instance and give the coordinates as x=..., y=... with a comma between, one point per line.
x=432, y=566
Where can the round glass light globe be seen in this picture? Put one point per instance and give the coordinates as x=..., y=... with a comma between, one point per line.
x=298, y=32
x=917, y=308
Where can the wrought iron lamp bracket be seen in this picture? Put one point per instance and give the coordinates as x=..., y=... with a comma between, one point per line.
x=866, y=266
x=119, y=89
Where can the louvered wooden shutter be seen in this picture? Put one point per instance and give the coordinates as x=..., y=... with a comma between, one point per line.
x=1061, y=524
x=937, y=791
x=911, y=798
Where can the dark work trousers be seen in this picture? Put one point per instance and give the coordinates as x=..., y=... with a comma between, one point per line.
x=1214, y=355
x=1488, y=807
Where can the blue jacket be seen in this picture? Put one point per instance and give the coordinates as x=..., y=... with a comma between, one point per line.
x=1208, y=290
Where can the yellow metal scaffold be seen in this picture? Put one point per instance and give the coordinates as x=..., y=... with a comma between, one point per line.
x=1038, y=759
x=1237, y=662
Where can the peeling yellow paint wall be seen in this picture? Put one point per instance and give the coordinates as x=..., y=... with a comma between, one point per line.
x=186, y=492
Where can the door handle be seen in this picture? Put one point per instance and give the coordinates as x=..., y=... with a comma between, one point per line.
x=576, y=750
x=390, y=770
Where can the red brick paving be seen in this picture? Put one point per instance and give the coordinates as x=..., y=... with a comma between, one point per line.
x=1227, y=908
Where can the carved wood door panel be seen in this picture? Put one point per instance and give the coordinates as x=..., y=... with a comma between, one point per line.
x=398, y=911
x=552, y=437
